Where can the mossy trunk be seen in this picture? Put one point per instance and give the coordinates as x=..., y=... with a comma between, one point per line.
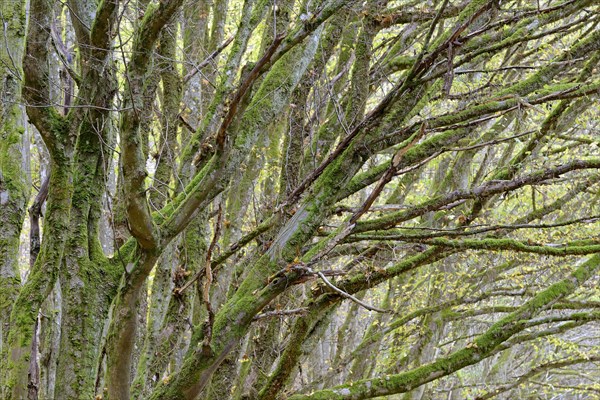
x=40, y=281
x=86, y=283
x=14, y=166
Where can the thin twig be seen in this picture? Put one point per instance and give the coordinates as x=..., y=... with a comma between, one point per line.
x=204, y=63
x=281, y=313
x=346, y=295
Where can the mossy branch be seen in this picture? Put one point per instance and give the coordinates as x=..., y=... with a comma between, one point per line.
x=477, y=350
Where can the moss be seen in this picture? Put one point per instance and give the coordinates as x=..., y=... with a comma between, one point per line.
x=400, y=63
x=511, y=244
x=15, y=18
x=11, y=175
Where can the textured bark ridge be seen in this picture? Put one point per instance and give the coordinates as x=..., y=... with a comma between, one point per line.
x=256, y=199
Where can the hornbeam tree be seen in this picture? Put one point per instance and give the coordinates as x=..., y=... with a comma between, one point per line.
x=271, y=199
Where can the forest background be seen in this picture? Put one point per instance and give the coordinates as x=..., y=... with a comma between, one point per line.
x=311, y=199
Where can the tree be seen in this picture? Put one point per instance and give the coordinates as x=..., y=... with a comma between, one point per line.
x=325, y=200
